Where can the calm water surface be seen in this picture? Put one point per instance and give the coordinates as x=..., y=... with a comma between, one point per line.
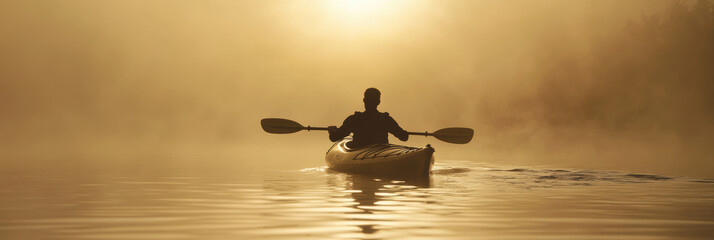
x=461, y=200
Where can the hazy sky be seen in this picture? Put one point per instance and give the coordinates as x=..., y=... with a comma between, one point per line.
x=84, y=77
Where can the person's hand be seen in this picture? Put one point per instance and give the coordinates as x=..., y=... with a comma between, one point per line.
x=332, y=129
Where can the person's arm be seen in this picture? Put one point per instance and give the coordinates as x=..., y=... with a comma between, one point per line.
x=343, y=131
x=396, y=130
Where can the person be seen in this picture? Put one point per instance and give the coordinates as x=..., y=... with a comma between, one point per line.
x=369, y=127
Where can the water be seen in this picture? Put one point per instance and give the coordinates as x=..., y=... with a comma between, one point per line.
x=461, y=200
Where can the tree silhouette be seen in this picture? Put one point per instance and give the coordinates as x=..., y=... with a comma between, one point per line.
x=658, y=73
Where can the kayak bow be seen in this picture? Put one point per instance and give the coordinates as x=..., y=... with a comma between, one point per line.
x=381, y=159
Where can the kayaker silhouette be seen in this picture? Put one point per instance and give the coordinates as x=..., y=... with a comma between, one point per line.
x=369, y=127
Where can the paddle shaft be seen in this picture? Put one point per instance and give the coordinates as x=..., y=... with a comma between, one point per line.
x=309, y=128
x=421, y=133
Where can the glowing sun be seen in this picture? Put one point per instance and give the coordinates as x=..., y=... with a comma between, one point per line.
x=366, y=13
x=358, y=8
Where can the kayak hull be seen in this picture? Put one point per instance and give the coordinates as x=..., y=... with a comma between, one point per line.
x=381, y=159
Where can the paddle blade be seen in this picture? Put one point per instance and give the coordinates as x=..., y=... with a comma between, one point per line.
x=454, y=135
x=280, y=126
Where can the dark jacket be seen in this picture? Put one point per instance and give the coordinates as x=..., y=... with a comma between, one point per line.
x=370, y=127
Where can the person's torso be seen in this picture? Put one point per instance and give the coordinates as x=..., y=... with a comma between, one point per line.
x=370, y=128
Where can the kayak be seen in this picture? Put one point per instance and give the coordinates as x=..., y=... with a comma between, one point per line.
x=381, y=159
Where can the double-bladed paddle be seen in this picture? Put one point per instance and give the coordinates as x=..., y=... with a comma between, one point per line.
x=456, y=135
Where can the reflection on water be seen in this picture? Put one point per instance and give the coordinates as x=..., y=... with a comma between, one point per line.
x=461, y=201
x=377, y=201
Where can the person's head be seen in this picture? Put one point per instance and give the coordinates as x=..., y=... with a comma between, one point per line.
x=371, y=98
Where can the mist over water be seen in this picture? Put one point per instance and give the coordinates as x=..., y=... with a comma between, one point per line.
x=140, y=119
x=587, y=84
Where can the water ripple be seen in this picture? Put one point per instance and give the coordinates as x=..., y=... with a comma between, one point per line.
x=458, y=201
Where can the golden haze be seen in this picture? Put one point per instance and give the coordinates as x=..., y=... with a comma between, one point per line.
x=566, y=83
